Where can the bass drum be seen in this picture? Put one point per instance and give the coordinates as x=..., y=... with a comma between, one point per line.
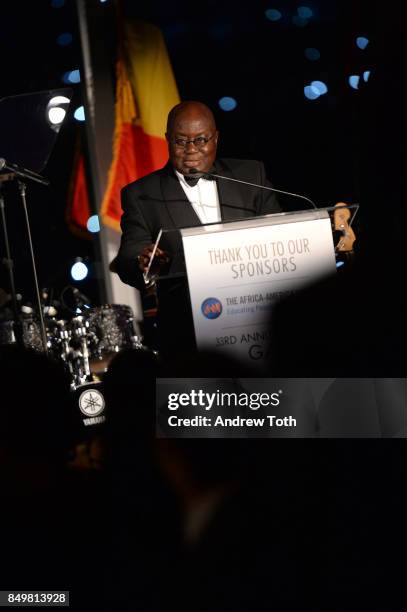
x=111, y=329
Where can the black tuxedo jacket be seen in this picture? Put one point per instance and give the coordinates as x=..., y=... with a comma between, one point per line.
x=157, y=201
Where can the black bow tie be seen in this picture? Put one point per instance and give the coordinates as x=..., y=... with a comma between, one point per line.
x=191, y=180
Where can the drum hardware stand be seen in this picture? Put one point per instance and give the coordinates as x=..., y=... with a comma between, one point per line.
x=23, y=173
x=84, y=352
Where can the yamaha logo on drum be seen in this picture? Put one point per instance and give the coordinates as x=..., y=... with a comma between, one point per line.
x=211, y=308
x=91, y=402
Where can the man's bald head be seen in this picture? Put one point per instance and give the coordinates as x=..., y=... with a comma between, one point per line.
x=189, y=108
x=192, y=137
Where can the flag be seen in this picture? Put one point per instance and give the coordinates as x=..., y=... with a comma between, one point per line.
x=145, y=92
x=78, y=209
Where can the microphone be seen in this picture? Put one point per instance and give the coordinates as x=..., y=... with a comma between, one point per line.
x=212, y=175
x=22, y=172
x=195, y=174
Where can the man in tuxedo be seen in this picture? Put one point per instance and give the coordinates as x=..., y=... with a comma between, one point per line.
x=172, y=198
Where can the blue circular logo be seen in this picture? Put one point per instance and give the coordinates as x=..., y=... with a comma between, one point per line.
x=211, y=308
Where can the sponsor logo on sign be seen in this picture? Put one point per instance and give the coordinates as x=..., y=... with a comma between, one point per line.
x=211, y=308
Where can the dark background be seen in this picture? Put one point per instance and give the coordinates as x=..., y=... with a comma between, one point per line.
x=346, y=145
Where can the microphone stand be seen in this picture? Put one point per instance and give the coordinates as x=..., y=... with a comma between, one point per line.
x=23, y=173
x=228, y=178
x=9, y=264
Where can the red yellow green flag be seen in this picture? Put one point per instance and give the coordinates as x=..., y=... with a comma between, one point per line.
x=145, y=93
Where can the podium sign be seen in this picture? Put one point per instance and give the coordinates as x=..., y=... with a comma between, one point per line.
x=237, y=271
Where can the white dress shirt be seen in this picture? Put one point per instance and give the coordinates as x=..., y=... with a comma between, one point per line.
x=203, y=197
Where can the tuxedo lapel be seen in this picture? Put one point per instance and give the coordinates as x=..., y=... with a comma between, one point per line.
x=232, y=199
x=178, y=206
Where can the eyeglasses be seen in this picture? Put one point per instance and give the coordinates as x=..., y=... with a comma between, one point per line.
x=200, y=142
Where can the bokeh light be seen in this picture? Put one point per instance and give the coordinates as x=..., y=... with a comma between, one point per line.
x=311, y=92
x=93, y=224
x=362, y=42
x=227, y=104
x=354, y=81
x=273, y=14
x=56, y=115
x=79, y=114
x=321, y=87
x=79, y=270
x=305, y=12
x=72, y=76
x=64, y=39
x=312, y=54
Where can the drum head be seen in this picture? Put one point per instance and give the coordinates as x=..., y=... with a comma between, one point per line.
x=111, y=330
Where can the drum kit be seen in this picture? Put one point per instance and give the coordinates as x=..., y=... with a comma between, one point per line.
x=85, y=343
x=87, y=338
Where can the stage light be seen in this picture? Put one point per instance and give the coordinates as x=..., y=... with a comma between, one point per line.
x=305, y=12
x=72, y=76
x=57, y=3
x=56, y=112
x=366, y=75
x=362, y=42
x=56, y=115
x=320, y=86
x=312, y=54
x=79, y=270
x=93, y=224
x=227, y=104
x=273, y=14
x=79, y=114
x=64, y=39
x=311, y=92
x=354, y=81
x=58, y=100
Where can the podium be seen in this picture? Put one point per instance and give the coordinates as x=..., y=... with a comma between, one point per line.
x=236, y=271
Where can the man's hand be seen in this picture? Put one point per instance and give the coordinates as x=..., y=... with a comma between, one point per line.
x=161, y=258
x=341, y=218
